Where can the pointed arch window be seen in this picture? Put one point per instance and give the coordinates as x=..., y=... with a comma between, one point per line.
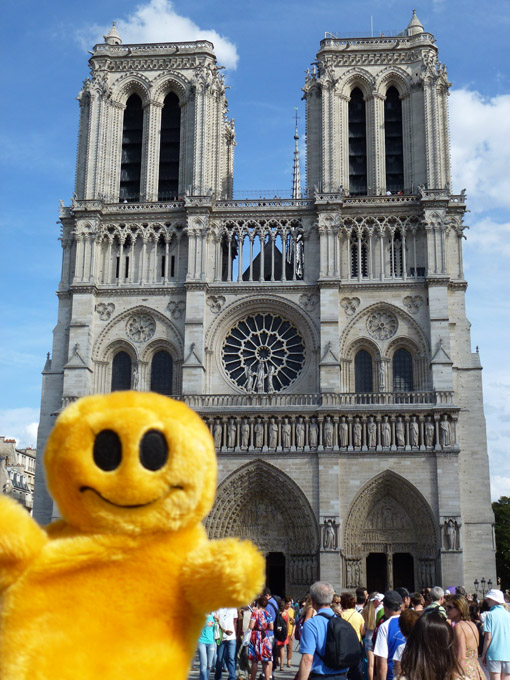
x=359, y=256
x=169, y=150
x=162, y=373
x=396, y=254
x=402, y=371
x=393, y=141
x=363, y=372
x=357, y=144
x=121, y=372
x=131, y=163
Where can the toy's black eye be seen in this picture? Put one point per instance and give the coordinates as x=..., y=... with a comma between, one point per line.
x=153, y=450
x=107, y=450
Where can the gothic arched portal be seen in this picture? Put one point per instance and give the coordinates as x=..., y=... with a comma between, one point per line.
x=260, y=502
x=390, y=525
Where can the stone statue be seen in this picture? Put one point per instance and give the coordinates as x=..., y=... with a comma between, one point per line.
x=273, y=434
x=217, y=432
x=260, y=377
x=245, y=434
x=313, y=434
x=286, y=432
x=329, y=532
x=348, y=568
x=382, y=377
x=357, y=573
x=328, y=433
x=270, y=376
x=344, y=433
x=450, y=532
x=356, y=433
x=444, y=429
x=247, y=373
x=372, y=432
x=400, y=432
x=386, y=433
x=136, y=377
x=259, y=434
x=300, y=433
x=232, y=432
x=429, y=432
x=413, y=431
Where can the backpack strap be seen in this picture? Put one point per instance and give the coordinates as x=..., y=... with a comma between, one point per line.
x=324, y=616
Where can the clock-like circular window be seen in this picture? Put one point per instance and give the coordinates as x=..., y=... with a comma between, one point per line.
x=263, y=353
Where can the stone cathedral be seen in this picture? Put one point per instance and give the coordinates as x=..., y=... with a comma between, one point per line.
x=323, y=337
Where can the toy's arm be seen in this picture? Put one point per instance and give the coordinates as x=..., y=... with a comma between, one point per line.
x=226, y=573
x=21, y=540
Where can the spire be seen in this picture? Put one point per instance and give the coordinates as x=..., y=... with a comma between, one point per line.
x=113, y=38
x=296, y=177
x=415, y=25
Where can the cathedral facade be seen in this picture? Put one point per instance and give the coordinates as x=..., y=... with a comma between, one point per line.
x=322, y=338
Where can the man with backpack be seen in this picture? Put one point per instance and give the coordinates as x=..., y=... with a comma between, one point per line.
x=329, y=645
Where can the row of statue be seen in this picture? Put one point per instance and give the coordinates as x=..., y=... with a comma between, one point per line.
x=332, y=432
x=303, y=569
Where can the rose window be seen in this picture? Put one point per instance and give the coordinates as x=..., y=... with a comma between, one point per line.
x=382, y=325
x=263, y=353
x=140, y=327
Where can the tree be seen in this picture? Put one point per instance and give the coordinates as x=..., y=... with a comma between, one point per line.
x=502, y=529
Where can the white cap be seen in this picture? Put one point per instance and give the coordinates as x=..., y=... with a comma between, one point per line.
x=495, y=595
x=377, y=596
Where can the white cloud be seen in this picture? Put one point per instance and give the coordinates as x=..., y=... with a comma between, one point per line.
x=20, y=424
x=489, y=235
x=157, y=21
x=480, y=129
x=500, y=486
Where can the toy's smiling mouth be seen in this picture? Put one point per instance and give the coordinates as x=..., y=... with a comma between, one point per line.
x=120, y=505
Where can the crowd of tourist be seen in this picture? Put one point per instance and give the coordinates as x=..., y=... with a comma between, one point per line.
x=427, y=635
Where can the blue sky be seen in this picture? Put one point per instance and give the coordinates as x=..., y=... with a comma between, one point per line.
x=266, y=47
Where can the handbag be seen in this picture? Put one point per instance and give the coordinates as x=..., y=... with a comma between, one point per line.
x=218, y=633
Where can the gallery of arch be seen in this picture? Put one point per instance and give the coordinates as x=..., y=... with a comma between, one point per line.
x=322, y=337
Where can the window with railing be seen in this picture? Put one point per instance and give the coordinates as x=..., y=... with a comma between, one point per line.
x=131, y=162
x=357, y=144
x=394, y=149
x=168, y=187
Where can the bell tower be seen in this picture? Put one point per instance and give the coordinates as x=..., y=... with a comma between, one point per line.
x=377, y=117
x=153, y=123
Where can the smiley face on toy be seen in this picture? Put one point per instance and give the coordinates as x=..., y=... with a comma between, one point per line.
x=143, y=463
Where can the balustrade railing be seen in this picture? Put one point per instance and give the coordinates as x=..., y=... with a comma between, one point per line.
x=351, y=400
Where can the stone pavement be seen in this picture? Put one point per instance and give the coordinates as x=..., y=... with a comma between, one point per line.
x=286, y=674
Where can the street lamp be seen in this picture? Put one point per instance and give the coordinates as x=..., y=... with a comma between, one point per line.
x=482, y=583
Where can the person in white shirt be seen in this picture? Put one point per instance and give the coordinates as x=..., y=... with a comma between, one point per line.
x=227, y=620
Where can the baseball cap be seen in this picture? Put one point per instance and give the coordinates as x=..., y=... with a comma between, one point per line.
x=392, y=598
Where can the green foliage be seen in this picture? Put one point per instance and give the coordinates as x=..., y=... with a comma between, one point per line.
x=502, y=515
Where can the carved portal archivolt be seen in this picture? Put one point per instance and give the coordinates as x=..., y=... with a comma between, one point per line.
x=390, y=516
x=260, y=502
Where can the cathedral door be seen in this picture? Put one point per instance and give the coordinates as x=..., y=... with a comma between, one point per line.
x=275, y=573
x=376, y=573
x=260, y=502
x=403, y=571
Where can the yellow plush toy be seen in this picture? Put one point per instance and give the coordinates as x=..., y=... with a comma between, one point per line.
x=118, y=589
